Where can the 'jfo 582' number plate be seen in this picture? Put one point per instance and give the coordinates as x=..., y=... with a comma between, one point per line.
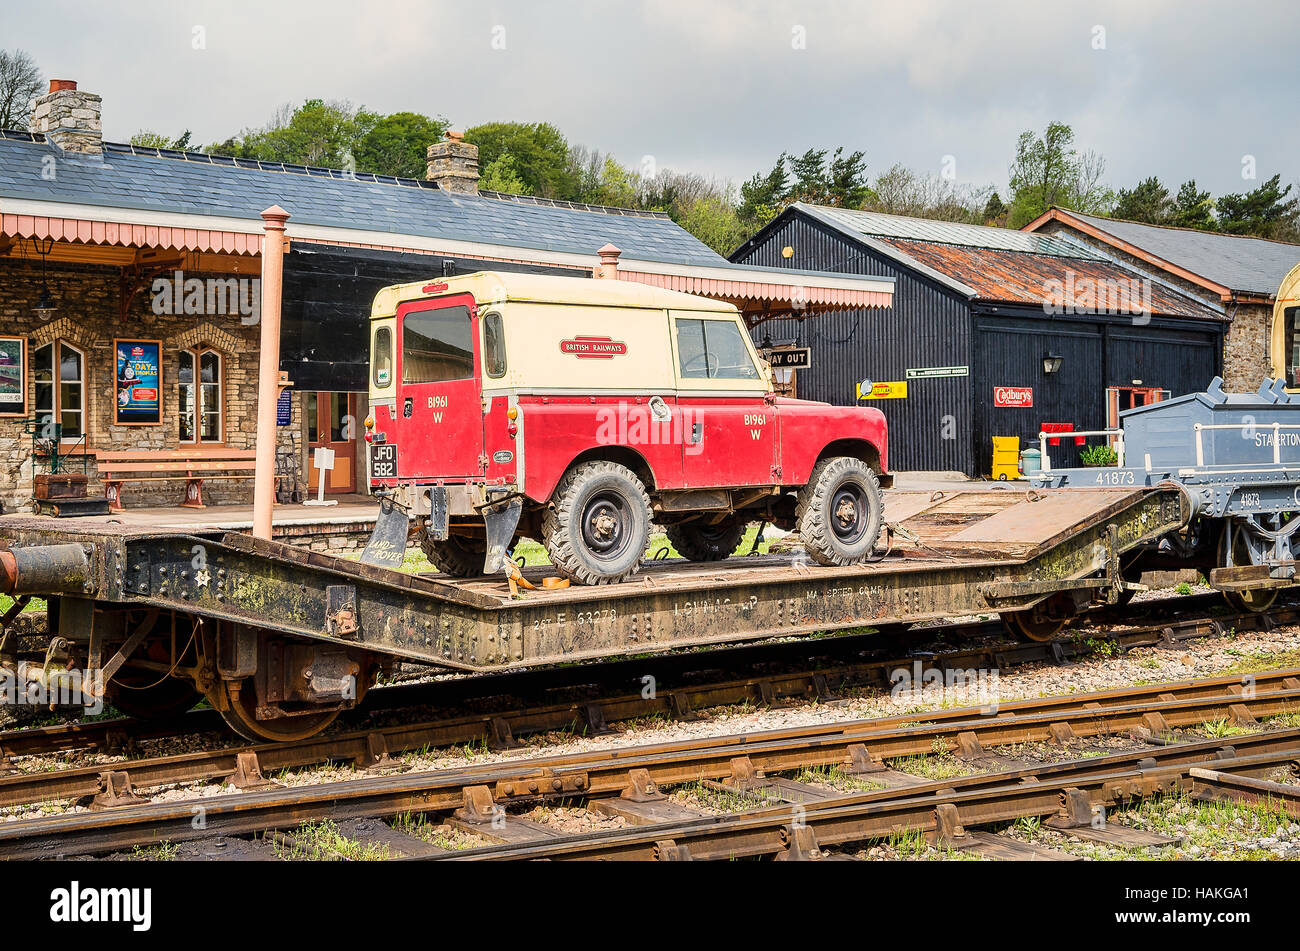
x=383, y=461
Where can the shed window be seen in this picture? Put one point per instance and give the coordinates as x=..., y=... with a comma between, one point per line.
x=437, y=346
x=713, y=350
x=58, y=370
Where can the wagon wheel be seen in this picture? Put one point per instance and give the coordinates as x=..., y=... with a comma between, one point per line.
x=241, y=716
x=1043, y=621
x=1234, y=549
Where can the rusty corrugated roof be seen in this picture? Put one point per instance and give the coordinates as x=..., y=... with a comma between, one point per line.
x=1081, y=285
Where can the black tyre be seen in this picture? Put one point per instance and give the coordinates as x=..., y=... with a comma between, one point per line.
x=839, y=512
x=697, y=541
x=457, y=556
x=598, y=524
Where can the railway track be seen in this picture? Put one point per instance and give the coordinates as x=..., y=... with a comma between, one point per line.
x=246, y=766
x=499, y=708
x=479, y=791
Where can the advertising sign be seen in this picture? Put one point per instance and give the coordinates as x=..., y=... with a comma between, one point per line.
x=13, y=372
x=895, y=390
x=139, y=379
x=1017, y=396
x=930, y=373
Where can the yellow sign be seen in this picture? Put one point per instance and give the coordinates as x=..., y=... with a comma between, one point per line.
x=884, y=391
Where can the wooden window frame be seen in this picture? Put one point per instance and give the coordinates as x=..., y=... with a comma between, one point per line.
x=56, y=410
x=197, y=353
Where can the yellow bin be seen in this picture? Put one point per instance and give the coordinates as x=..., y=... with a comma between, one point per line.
x=1006, y=458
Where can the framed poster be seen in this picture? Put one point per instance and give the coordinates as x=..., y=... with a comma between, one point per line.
x=139, y=382
x=13, y=376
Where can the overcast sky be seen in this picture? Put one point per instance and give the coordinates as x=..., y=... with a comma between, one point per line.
x=1178, y=89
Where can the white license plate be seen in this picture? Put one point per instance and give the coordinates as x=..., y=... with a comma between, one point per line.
x=383, y=461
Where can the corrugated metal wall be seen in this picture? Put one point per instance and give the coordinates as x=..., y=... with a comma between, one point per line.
x=1009, y=347
x=928, y=326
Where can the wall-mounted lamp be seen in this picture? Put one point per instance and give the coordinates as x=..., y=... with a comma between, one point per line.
x=45, y=303
x=787, y=252
x=1052, y=362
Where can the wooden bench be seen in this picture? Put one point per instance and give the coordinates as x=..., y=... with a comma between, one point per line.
x=118, y=467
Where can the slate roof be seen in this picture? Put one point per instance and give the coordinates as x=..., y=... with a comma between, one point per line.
x=948, y=232
x=169, y=181
x=1249, y=265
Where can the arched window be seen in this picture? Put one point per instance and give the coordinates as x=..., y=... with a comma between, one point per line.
x=59, y=372
x=202, y=396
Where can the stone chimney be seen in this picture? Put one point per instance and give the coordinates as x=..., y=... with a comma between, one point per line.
x=69, y=118
x=453, y=164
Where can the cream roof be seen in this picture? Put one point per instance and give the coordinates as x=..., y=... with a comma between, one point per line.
x=538, y=288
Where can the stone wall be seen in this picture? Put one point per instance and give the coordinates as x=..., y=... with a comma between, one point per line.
x=1246, y=348
x=89, y=318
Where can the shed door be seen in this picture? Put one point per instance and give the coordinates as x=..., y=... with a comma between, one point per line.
x=439, y=395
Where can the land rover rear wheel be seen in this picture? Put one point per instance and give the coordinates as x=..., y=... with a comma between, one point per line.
x=839, y=511
x=457, y=556
x=697, y=541
x=598, y=523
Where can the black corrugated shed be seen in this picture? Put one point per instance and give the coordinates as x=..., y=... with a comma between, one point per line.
x=947, y=422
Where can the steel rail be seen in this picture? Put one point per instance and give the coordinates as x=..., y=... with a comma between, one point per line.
x=605, y=772
x=848, y=819
x=366, y=747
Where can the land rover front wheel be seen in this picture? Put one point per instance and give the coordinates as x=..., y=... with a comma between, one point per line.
x=696, y=541
x=598, y=524
x=839, y=511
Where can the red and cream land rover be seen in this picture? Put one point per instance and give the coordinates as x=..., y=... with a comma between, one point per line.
x=578, y=411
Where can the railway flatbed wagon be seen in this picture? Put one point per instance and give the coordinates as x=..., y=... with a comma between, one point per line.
x=281, y=640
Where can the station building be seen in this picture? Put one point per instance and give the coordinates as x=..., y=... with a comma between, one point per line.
x=992, y=332
x=114, y=255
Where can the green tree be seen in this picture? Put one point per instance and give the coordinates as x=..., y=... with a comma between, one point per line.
x=397, y=144
x=1048, y=170
x=158, y=141
x=316, y=133
x=540, y=154
x=995, y=212
x=846, y=179
x=713, y=219
x=1149, y=202
x=20, y=80
x=1265, y=211
x=810, y=181
x=763, y=196
x=500, y=176
x=1192, y=208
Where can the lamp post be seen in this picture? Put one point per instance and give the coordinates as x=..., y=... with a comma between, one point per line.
x=268, y=369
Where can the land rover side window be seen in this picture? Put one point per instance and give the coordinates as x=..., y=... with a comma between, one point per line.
x=494, y=346
x=713, y=350
x=383, y=359
x=437, y=346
